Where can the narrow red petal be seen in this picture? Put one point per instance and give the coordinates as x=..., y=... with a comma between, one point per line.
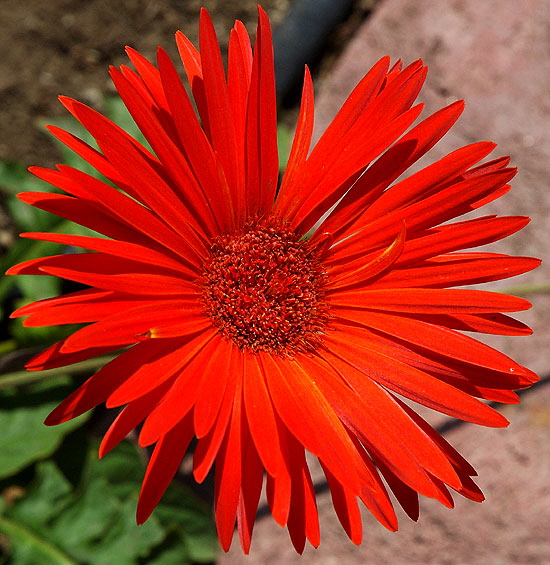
x=360, y=271
x=123, y=249
x=346, y=507
x=208, y=447
x=260, y=415
x=418, y=386
x=188, y=371
x=262, y=160
x=137, y=167
x=220, y=118
x=437, y=339
x=211, y=389
x=150, y=77
x=175, y=165
x=239, y=72
x=309, y=416
x=303, y=518
x=460, y=235
x=108, y=273
x=171, y=357
x=415, y=143
x=195, y=144
x=457, y=270
x=98, y=387
x=130, y=417
x=229, y=472
x=162, y=467
x=430, y=301
x=251, y=489
x=389, y=438
x=299, y=150
x=92, y=156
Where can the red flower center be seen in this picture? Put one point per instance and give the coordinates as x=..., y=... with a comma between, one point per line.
x=264, y=287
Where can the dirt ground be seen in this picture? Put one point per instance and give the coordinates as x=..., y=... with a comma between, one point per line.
x=65, y=47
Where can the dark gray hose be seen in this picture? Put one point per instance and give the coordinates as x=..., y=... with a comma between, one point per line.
x=301, y=37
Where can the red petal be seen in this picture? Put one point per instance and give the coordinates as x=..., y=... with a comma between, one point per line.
x=363, y=93
x=382, y=427
x=460, y=235
x=138, y=168
x=361, y=270
x=456, y=270
x=441, y=341
x=239, y=72
x=445, y=204
x=406, y=496
x=172, y=356
x=211, y=389
x=174, y=163
x=303, y=519
x=332, y=185
x=251, y=489
x=430, y=301
x=81, y=212
x=191, y=60
x=108, y=273
x=77, y=307
x=182, y=396
x=378, y=501
x=208, y=446
x=92, y=156
x=395, y=161
x=139, y=220
x=260, y=415
x=346, y=507
x=499, y=324
x=130, y=417
x=310, y=418
x=150, y=76
x=299, y=151
x=51, y=357
x=194, y=142
x=121, y=249
x=262, y=161
x=162, y=467
x=220, y=118
x=98, y=387
x=416, y=385
x=229, y=472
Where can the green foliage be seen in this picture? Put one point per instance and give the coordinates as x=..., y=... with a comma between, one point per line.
x=93, y=523
x=24, y=438
x=285, y=136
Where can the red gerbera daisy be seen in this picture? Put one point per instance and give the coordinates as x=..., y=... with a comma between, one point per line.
x=261, y=324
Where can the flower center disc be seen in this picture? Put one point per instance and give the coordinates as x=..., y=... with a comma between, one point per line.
x=263, y=288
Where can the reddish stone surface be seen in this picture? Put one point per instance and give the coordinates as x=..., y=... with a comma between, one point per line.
x=494, y=54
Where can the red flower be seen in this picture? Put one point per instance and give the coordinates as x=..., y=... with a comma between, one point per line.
x=257, y=339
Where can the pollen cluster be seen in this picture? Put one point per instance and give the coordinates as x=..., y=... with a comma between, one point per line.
x=264, y=288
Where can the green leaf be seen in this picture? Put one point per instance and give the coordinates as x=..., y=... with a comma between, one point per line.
x=285, y=136
x=23, y=523
x=94, y=523
x=25, y=438
x=189, y=521
x=28, y=549
x=192, y=522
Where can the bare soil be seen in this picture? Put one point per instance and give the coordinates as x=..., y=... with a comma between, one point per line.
x=65, y=47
